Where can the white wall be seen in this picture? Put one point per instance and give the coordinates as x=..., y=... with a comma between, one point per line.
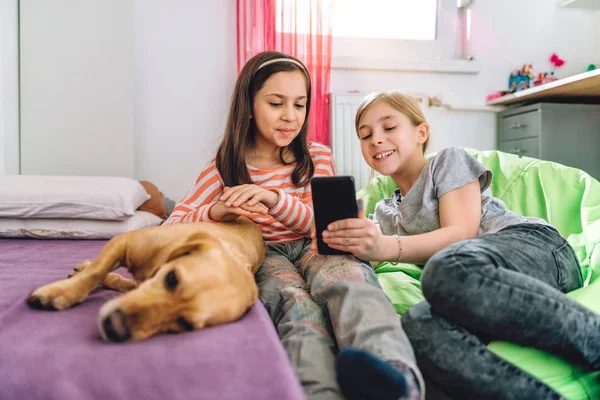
x=503, y=38
x=77, y=87
x=185, y=71
x=2, y=112
x=596, y=60
x=9, y=87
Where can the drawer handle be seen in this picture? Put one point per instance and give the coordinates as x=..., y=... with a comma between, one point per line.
x=518, y=151
x=517, y=125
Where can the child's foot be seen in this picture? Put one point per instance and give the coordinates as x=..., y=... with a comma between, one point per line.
x=363, y=376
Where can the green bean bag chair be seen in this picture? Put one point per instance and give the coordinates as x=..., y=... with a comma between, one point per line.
x=566, y=197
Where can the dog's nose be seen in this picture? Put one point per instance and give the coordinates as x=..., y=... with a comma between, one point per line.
x=116, y=328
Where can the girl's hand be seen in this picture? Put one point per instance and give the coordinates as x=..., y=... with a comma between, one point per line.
x=359, y=236
x=221, y=212
x=249, y=194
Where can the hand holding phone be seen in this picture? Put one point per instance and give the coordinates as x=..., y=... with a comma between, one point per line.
x=334, y=199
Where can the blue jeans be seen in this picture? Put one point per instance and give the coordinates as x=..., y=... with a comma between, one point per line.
x=322, y=303
x=508, y=286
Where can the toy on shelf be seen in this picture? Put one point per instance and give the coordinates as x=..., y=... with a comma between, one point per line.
x=496, y=95
x=545, y=77
x=524, y=78
x=521, y=79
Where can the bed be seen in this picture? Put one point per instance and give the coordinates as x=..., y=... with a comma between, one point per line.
x=60, y=355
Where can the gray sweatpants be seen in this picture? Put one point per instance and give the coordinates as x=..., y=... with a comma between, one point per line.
x=322, y=303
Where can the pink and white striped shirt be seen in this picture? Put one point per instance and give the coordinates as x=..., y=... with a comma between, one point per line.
x=289, y=219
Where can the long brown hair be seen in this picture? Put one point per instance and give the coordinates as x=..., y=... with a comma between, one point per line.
x=401, y=102
x=240, y=130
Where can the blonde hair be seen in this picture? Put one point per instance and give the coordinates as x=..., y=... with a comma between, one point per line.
x=401, y=102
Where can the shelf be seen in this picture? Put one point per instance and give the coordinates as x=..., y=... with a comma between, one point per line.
x=583, y=87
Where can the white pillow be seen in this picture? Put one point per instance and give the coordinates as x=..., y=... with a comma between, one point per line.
x=83, y=197
x=74, y=228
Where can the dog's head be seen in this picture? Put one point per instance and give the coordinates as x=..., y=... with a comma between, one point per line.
x=201, y=283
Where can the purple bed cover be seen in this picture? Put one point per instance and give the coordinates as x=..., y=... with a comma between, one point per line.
x=60, y=355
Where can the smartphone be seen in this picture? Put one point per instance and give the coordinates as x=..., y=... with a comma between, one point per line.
x=334, y=198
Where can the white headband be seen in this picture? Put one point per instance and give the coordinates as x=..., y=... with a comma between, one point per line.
x=291, y=60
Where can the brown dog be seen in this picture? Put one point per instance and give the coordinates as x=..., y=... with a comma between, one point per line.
x=185, y=277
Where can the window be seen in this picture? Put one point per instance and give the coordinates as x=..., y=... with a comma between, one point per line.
x=375, y=19
x=390, y=34
x=385, y=19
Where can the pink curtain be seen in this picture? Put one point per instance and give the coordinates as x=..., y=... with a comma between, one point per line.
x=300, y=28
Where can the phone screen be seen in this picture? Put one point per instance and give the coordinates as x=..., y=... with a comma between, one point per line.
x=334, y=198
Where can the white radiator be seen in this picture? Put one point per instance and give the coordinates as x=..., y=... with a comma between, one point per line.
x=343, y=140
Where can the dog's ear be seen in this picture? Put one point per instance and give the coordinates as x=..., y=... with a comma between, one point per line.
x=184, y=250
x=197, y=242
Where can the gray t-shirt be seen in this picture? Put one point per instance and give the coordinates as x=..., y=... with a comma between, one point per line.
x=417, y=212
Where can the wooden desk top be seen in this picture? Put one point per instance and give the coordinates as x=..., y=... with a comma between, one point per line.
x=580, y=88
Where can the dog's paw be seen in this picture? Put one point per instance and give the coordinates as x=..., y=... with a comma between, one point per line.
x=39, y=302
x=80, y=267
x=55, y=296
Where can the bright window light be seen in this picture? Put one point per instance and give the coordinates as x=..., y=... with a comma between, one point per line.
x=373, y=19
x=386, y=19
